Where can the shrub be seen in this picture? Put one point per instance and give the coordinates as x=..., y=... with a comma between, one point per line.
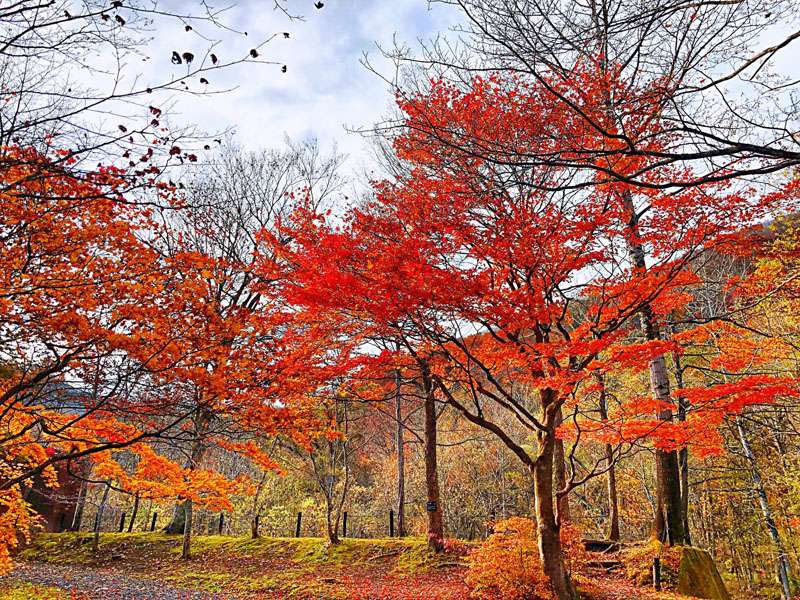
x=638, y=563
x=507, y=565
x=575, y=554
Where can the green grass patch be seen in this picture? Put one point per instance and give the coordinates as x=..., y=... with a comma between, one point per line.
x=409, y=554
x=76, y=548
x=63, y=548
x=27, y=591
x=208, y=581
x=291, y=567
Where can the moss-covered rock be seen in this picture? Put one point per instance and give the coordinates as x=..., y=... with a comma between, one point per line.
x=698, y=575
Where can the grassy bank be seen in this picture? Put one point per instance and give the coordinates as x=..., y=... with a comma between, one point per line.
x=291, y=567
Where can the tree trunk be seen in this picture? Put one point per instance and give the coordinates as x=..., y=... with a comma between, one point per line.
x=134, y=512
x=613, y=502
x=187, y=530
x=145, y=526
x=177, y=524
x=79, y=504
x=668, y=522
x=766, y=511
x=332, y=522
x=560, y=474
x=254, y=527
x=401, y=478
x=683, y=453
x=433, y=506
x=255, y=514
x=548, y=528
x=98, y=519
x=611, y=475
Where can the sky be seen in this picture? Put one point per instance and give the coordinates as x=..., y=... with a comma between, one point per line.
x=325, y=89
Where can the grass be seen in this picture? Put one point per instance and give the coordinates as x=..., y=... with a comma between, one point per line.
x=302, y=568
x=76, y=548
x=291, y=567
x=314, y=551
x=26, y=591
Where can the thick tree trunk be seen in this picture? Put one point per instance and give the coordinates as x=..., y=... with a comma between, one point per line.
x=613, y=502
x=548, y=528
x=254, y=534
x=134, y=512
x=177, y=525
x=433, y=506
x=683, y=466
x=187, y=530
x=763, y=501
x=178, y=522
x=401, y=477
x=254, y=513
x=560, y=474
x=668, y=523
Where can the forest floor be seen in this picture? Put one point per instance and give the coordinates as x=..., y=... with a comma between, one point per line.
x=148, y=567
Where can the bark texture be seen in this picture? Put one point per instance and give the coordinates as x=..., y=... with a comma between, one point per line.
x=549, y=531
x=134, y=512
x=668, y=521
x=611, y=475
x=187, y=530
x=433, y=506
x=401, y=476
x=98, y=519
x=782, y=562
x=560, y=474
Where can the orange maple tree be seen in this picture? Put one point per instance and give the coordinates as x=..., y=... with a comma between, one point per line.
x=108, y=343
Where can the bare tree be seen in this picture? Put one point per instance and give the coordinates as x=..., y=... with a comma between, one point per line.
x=730, y=114
x=79, y=77
x=230, y=203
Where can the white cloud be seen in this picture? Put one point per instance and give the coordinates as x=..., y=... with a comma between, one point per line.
x=325, y=87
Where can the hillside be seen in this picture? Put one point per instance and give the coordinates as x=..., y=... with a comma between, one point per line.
x=139, y=566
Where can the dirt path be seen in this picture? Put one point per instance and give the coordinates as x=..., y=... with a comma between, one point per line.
x=88, y=583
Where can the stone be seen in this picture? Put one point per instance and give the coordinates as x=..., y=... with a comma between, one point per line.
x=699, y=576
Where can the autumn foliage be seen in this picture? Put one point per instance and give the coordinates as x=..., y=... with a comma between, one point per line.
x=506, y=288
x=506, y=272
x=111, y=339
x=507, y=564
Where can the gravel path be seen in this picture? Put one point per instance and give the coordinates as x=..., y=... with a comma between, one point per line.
x=104, y=584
